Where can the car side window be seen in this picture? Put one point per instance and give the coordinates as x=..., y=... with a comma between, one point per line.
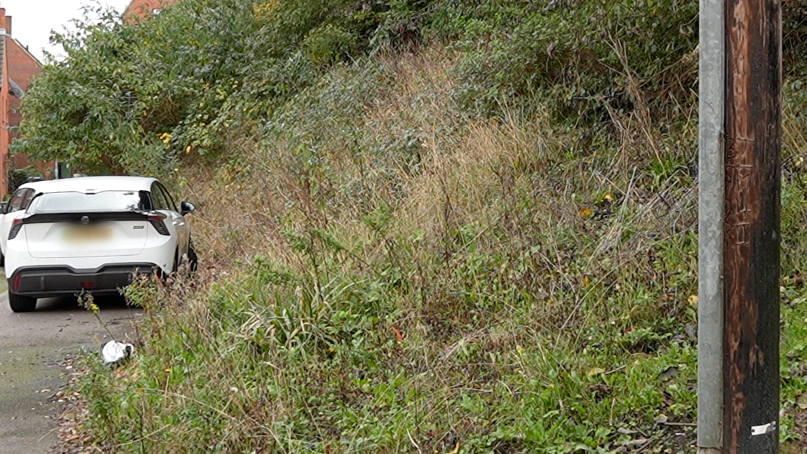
x=26, y=198
x=169, y=201
x=145, y=201
x=158, y=198
x=15, y=202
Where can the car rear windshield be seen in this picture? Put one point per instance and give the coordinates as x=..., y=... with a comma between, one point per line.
x=79, y=202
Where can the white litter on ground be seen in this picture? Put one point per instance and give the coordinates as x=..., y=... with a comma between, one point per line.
x=114, y=352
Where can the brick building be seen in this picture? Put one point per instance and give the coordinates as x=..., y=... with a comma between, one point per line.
x=142, y=9
x=17, y=70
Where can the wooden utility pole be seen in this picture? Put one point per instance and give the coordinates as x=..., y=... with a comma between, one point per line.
x=751, y=259
x=739, y=226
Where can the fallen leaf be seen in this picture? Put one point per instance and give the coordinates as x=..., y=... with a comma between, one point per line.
x=398, y=334
x=586, y=213
x=600, y=390
x=801, y=401
x=668, y=373
x=636, y=442
x=595, y=371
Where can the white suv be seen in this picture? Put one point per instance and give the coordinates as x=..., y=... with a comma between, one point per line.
x=14, y=208
x=93, y=234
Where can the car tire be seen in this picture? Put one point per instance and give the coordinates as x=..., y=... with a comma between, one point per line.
x=193, y=259
x=21, y=303
x=188, y=263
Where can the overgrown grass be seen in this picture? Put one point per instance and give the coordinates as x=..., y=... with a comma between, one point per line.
x=395, y=276
x=393, y=266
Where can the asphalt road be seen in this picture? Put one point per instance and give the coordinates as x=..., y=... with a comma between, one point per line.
x=34, y=348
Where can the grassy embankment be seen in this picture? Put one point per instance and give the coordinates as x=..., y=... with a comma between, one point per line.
x=433, y=250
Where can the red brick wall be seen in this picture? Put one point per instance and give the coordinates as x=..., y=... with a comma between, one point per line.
x=4, y=109
x=143, y=8
x=22, y=68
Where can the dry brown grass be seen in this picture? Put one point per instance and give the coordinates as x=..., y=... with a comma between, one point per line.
x=518, y=183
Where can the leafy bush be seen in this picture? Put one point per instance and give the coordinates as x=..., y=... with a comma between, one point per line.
x=328, y=44
x=140, y=97
x=582, y=56
x=18, y=177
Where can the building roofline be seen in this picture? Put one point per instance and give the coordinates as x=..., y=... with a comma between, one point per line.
x=25, y=49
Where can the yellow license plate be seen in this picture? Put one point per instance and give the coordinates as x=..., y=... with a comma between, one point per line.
x=86, y=234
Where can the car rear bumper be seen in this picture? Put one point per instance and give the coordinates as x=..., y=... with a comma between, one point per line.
x=42, y=282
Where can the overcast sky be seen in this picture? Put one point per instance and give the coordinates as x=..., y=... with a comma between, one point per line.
x=32, y=20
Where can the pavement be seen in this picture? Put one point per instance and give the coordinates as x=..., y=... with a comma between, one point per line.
x=35, y=349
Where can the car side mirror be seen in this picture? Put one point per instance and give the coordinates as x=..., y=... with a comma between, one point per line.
x=3, y=207
x=186, y=207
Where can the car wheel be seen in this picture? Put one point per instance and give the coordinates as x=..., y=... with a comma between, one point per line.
x=193, y=259
x=177, y=263
x=2, y=259
x=20, y=303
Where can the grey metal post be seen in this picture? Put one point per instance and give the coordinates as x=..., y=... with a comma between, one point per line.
x=711, y=190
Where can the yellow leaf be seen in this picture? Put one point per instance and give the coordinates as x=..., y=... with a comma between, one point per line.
x=801, y=401
x=586, y=213
x=693, y=300
x=608, y=197
x=455, y=450
x=595, y=371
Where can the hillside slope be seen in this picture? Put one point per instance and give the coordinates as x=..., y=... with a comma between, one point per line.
x=428, y=226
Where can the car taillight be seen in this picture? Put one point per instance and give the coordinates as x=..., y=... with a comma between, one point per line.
x=159, y=225
x=16, y=226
